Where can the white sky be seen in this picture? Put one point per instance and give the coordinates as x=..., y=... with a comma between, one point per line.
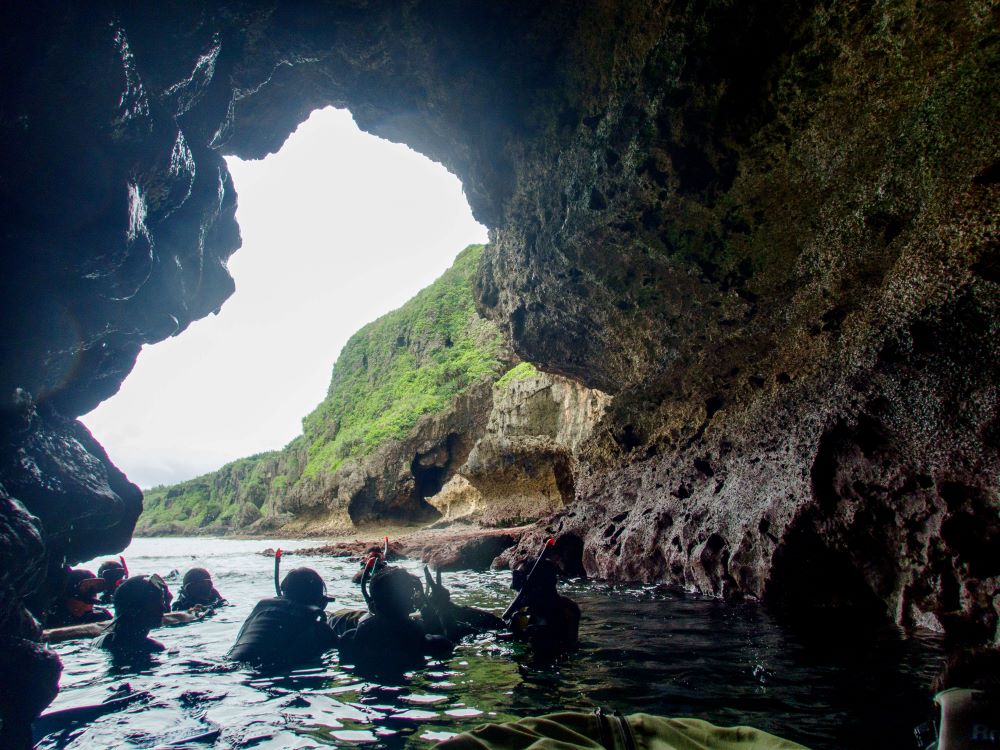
x=338, y=228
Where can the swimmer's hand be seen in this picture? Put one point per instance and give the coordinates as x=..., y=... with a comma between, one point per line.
x=180, y=618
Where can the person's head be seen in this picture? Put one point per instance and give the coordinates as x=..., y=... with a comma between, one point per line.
x=395, y=592
x=197, y=585
x=82, y=585
x=542, y=582
x=305, y=586
x=139, y=603
x=977, y=669
x=112, y=573
x=165, y=594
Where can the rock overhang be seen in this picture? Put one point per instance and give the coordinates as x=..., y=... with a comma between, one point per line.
x=757, y=230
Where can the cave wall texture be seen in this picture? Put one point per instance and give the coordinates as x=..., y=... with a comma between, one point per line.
x=769, y=232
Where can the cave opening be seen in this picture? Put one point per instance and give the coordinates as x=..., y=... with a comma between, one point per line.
x=339, y=227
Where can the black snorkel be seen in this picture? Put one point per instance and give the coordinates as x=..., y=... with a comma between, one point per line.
x=370, y=565
x=526, y=586
x=277, y=571
x=365, y=576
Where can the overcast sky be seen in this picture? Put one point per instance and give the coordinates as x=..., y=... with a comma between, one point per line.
x=338, y=228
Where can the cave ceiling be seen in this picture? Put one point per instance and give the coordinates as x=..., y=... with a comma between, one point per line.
x=770, y=232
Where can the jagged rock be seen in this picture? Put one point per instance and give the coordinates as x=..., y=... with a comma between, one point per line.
x=443, y=549
x=458, y=499
x=523, y=468
x=472, y=550
x=765, y=230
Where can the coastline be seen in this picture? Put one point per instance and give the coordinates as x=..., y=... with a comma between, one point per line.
x=448, y=548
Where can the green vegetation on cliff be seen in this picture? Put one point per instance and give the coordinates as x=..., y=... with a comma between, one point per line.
x=519, y=372
x=409, y=363
x=231, y=497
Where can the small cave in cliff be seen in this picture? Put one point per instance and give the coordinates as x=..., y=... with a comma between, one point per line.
x=430, y=471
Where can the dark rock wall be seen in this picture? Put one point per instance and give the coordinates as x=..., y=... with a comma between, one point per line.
x=775, y=239
x=770, y=232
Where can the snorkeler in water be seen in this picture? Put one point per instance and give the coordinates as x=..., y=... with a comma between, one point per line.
x=138, y=609
x=545, y=619
x=112, y=572
x=967, y=696
x=390, y=640
x=197, y=591
x=78, y=603
x=290, y=628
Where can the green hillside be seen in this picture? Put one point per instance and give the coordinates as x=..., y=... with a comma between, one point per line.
x=408, y=363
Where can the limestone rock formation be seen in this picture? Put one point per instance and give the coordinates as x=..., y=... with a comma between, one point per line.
x=769, y=232
x=524, y=467
x=393, y=484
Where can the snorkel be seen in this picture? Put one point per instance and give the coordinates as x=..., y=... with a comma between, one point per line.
x=277, y=571
x=371, y=563
x=516, y=604
x=365, y=577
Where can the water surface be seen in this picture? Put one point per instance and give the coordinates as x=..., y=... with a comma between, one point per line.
x=641, y=649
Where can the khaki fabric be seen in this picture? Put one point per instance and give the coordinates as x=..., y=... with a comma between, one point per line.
x=576, y=731
x=970, y=719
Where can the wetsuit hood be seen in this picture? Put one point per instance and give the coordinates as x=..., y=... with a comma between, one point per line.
x=305, y=586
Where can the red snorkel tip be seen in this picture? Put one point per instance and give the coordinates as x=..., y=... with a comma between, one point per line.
x=277, y=553
x=551, y=542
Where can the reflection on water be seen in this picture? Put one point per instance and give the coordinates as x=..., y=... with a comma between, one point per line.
x=642, y=649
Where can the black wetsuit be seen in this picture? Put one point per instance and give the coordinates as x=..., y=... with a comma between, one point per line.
x=280, y=631
x=125, y=644
x=382, y=643
x=548, y=622
x=182, y=602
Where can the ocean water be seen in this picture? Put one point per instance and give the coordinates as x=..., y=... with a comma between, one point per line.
x=642, y=648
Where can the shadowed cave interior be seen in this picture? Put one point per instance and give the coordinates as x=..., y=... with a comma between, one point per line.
x=770, y=234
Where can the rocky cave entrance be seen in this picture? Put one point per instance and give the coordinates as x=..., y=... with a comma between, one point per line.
x=339, y=227
x=641, y=163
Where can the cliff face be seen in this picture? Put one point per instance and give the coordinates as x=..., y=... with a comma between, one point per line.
x=782, y=259
x=524, y=466
x=409, y=396
x=770, y=233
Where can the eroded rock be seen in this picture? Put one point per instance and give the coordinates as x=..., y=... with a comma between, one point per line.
x=524, y=466
x=771, y=233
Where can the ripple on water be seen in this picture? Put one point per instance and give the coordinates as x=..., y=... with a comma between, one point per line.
x=644, y=648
